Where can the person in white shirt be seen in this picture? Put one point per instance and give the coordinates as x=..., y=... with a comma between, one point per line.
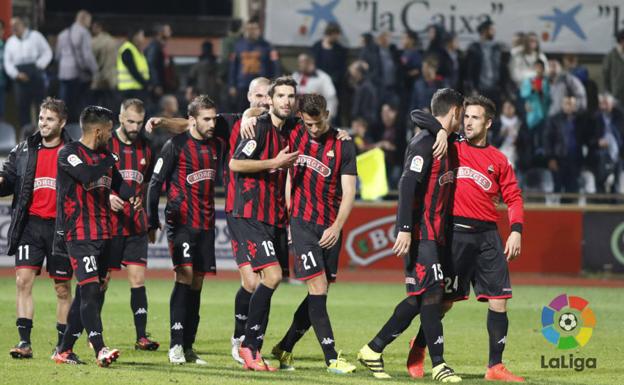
x=311, y=80
x=26, y=55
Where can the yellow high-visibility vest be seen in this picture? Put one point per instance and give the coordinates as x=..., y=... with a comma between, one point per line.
x=125, y=81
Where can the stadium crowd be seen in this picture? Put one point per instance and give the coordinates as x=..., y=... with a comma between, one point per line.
x=558, y=130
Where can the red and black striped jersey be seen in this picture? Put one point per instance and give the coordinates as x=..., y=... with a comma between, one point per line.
x=233, y=123
x=188, y=166
x=316, y=189
x=425, y=189
x=135, y=166
x=84, y=181
x=261, y=195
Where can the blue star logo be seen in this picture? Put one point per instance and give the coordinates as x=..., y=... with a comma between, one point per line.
x=320, y=12
x=565, y=19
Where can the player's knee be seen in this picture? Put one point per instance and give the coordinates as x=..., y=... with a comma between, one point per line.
x=198, y=281
x=23, y=283
x=498, y=305
x=446, y=306
x=317, y=285
x=249, y=280
x=63, y=291
x=432, y=296
x=271, y=277
x=184, y=275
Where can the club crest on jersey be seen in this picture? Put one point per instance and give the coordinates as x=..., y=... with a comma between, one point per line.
x=476, y=176
x=45, y=182
x=446, y=178
x=132, y=175
x=491, y=169
x=143, y=162
x=74, y=160
x=330, y=154
x=417, y=163
x=250, y=147
x=313, y=164
x=104, y=181
x=200, y=175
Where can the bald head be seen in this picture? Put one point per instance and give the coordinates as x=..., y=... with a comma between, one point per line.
x=258, y=94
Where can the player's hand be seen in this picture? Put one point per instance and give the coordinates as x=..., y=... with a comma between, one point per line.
x=330, y=237
x=137, y=203
x=512, y=248
x=117, y=204
x=151, y=234
x=152, y=123
x=247, y=127
x=232, y=92
x=402, y=244
x=1, y=179
x=343, y=135
x=441, y=144
x=285, y=159
x=22, y=77
x=553, y=165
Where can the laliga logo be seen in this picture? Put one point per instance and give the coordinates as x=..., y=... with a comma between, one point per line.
x=372, y=241
x=568, y=323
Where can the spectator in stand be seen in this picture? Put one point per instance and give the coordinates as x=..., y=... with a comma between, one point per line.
x=392, y=141
x=535, y=91
x=365, y=104
x=613, y=69
x=605, y=144
x=426, y=85
x=311, y=80
x=411, y=58
x=253, y=57
x=228, y=44
x=361, y=136
x=105, y=80
x=162, y=77
x=169, y=107
x=563, y=142
x=132, y=67
x=370, y=55
x=3, y=80
x=451, y=61
x=76, y=64
x=486, y=67
x=522, y=65
x=572, y=66
x=204, y=75
x=562, y=84
x=436, y=35
x=509, y=135
x=26, y=55
x=391, y=86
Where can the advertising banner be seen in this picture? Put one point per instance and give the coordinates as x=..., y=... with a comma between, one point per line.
x=603, y=242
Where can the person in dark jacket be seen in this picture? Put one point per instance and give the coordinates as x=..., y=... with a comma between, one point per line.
x=162, y=78
x=29, y=175
x=364, y=103
x=204, y=75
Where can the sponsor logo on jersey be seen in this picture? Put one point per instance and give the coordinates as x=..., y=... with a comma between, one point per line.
x=45, y=182
x=417, y=163
x=447, y=177
x=476, y=176
x=104, y=182
x=313, y=164
x=198, y=176
x=133, y=175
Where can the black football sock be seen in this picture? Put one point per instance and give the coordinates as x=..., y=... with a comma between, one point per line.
x=431, y=322
x=177, y=313
x=241, y=310
x=138, y=303
x=265, y=322
x=192, y=317
x=101, y=298
x=497, y=325
x=300, y=325
x=317, y=309
x=24, y=326
x=258, y=321
x=89, y=313
x=420, y=341
x=60, y=330
x=400, y=320
x=74, y=323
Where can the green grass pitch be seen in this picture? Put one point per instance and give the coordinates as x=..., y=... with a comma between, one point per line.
x=357, y=311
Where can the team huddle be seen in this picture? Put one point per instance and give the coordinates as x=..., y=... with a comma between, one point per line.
x=88, y=207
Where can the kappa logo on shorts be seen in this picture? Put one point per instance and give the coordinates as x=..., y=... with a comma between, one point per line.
x=468, y=173
x=104, y=182
x=198, y=176
x=44, y=182
x=132, y=175
x=313, y=164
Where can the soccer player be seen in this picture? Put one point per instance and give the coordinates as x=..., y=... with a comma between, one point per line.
x=424, y=196
x=259, y=212
x=321, y=197
x=86, y=176
x=188, y=165
x=128, y=245
x=477, y=253
x=29, y=175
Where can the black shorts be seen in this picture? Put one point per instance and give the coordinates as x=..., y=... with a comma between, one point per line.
x=477, y=258
x=423, y=269
x=35, y=246
x=127, y=250
x=89, y=260
x=192, y=247
x=311, y=260
x=239, y=251
x=259, y=244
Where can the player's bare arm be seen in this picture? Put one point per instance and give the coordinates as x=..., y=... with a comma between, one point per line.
x=284, y=159
x=331, y=234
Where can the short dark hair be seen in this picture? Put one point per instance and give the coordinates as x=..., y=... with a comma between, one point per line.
x=56, y=105
x=332, y=28
x=444, y=99
x=312, y=104
x=361, y=121
x=432, y=61
x=620, y=36
x=201, y=102
x=540, y=62
x=282, y=81
x=487, y=104
x=94, y=115
x=487, y=23
x=132, y=32
x=134, y=103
